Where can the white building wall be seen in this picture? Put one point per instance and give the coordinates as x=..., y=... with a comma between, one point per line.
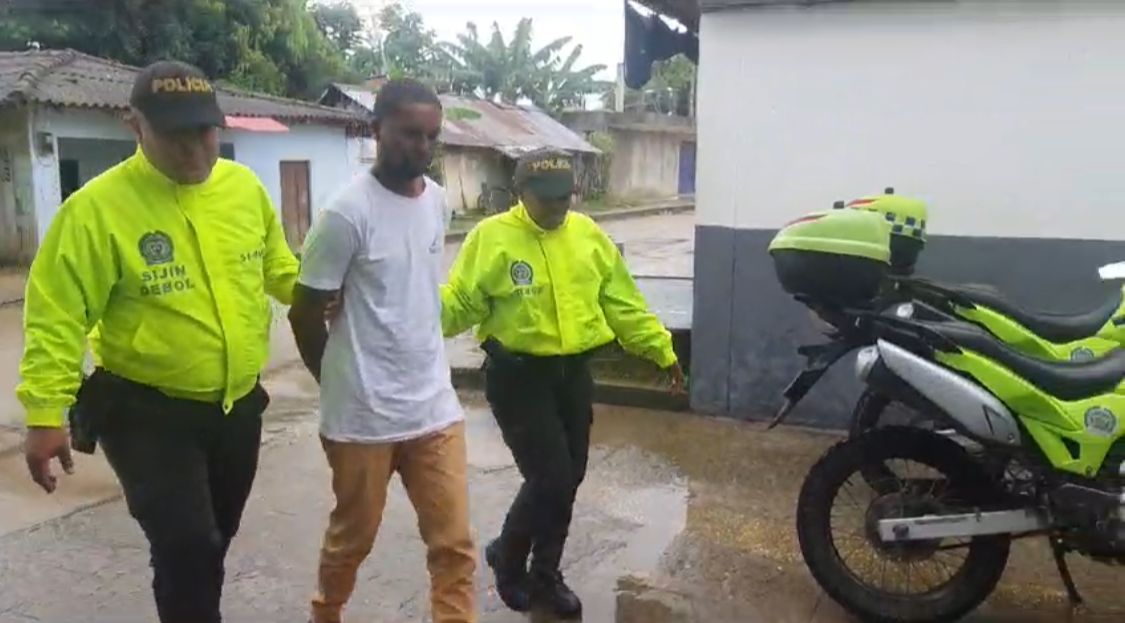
x=333, y=158
x=94, y=156
x=1008, y=116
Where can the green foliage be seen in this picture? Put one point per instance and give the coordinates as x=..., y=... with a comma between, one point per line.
x=341, y=23
x=669, y=91
x=295, y=48
x=461, y=114
x=603, y=141
x=408, y=47
x=270, y=45
x=511, y=70
x=595, y=176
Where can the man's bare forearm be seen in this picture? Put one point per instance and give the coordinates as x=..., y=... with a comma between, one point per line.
x=311, y=335
x=307, y=319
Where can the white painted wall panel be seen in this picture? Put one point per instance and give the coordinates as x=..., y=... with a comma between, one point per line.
x=1008, y=116
x=333, y=158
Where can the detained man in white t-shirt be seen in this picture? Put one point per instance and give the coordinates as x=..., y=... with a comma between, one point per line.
x=386, y=400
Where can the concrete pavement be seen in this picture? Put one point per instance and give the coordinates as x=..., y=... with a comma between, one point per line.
x=682, y=519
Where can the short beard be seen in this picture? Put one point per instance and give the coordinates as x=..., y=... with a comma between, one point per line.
x=401, y=171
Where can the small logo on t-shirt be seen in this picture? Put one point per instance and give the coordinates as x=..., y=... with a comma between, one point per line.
x=156, y=248
x=522, y=274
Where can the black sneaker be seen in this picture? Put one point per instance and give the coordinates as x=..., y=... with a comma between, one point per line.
x=549, y=592
x=511, y=579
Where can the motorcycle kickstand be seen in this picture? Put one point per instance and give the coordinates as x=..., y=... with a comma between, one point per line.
x=1072, y=594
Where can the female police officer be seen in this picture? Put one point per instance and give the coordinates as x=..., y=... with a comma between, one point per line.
x=547, y=287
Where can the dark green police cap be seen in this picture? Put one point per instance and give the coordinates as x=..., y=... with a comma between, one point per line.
x=548, y=173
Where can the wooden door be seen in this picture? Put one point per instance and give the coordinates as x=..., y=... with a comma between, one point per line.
x=295, y=214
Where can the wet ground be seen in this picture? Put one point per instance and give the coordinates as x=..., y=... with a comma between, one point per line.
x=682, y=519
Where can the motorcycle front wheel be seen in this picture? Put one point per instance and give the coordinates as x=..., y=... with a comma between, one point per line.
x=906, y=582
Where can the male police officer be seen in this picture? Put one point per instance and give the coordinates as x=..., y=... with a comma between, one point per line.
x=169, y=256
x=547, y=287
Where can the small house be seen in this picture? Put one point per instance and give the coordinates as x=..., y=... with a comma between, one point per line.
x=61, y=125
x=480, y=143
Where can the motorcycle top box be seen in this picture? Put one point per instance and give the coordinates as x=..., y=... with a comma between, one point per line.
x=907, y=218
x=838, y=257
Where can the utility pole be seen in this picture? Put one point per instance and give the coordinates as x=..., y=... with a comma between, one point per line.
x=619, y=89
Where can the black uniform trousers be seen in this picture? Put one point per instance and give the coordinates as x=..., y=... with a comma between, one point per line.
x=186, y=469
x=544, y=407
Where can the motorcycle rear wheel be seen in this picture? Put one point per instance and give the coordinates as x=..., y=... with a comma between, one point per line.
x=965, y=480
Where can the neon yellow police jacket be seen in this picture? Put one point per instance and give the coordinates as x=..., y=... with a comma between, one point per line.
x=558, y=292
x=171, y=279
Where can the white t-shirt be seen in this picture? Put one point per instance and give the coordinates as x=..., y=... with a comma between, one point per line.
x=384, y=376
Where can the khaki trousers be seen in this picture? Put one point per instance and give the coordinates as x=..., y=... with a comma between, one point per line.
x=433, y=470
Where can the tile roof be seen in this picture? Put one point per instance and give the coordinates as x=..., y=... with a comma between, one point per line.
x=73, y=79
x=511, y=130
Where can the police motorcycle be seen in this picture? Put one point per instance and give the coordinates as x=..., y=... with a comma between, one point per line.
x=930, y=540
x=1080, y=336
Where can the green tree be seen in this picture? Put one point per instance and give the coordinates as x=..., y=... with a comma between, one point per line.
x=506, y=71
x=669, y=91
x=407, y=47
x=340, y=22
x=270, y=45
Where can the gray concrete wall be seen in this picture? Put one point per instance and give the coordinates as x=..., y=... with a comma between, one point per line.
x=465, y=170
x=17, y=191
x=645, y=164
x=746, y=329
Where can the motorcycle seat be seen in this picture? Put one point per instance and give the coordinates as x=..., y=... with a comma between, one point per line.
x=1053, y=327
x=1066, y=380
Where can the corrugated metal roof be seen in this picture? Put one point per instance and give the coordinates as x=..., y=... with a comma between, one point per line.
x=511, y=130
x=70, y=78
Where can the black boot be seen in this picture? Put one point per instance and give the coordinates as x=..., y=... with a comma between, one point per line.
x=549, y=592
x=511, y=577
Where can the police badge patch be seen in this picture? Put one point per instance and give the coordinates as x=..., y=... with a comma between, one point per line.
x=1081, y=354
x=156, y=248
x=1101, y=422
x=521, y=273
